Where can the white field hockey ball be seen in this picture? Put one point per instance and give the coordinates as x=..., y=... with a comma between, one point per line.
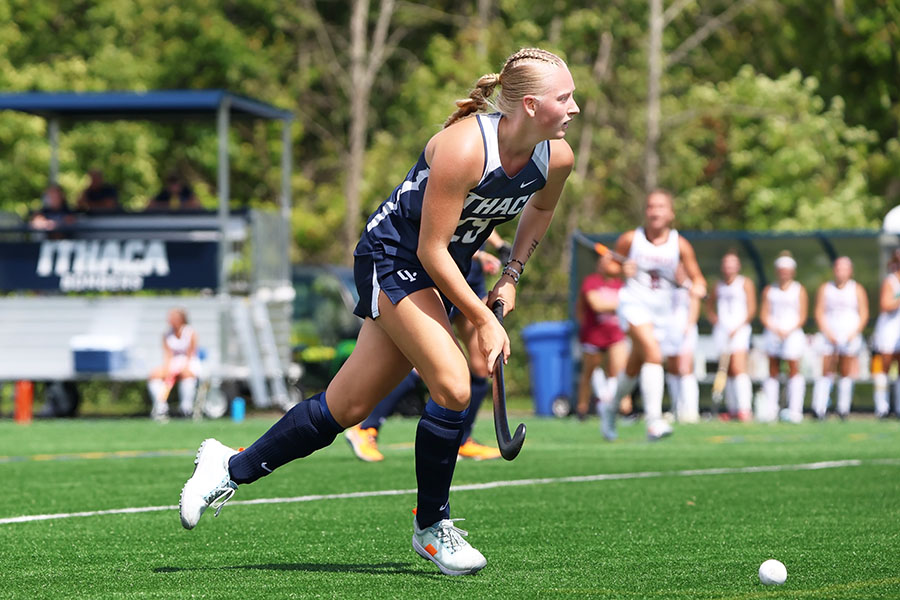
x=772, y=572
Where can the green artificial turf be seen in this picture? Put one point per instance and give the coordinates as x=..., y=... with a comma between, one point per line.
x=662, y=534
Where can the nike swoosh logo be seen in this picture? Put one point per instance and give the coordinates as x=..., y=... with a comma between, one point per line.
x=527, y=183
x=444, y=507
x=263, y=465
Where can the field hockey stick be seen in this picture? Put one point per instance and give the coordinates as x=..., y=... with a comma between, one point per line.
x=721, y=379
x=509, y=446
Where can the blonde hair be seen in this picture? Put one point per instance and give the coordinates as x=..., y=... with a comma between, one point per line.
x=522, y=74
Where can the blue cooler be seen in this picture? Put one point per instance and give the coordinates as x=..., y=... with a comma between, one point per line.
x=98, y=353
x=549, y=347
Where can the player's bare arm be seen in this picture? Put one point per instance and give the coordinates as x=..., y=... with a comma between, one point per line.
x=888, y=301
x=689, y=260
x=623, y=247
x=534, y=221
x=750, y=291
x=457, y=157
x=821, y=321
x=862, y=302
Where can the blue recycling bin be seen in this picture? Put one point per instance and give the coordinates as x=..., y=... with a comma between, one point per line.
x=549, y=348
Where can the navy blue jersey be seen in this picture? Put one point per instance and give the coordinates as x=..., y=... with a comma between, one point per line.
x=393, y=229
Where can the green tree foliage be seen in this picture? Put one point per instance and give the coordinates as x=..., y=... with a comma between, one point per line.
x=806, y=136
x=758, y=153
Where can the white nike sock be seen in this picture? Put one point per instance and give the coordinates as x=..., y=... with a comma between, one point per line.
x=187, y=389
x=156, y=388
x=689, y=400
x=770, y=411
x=609, y=393
x=624, y=385
x=796, y=396
x=730, y=396
x=880, y=381
x=652, y=378
x=598, y=383
x=743, y=393
x=821, y=395
x=844, y=395
x=673, y=386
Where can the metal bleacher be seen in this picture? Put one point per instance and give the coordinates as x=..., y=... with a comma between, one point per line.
x=37, y=332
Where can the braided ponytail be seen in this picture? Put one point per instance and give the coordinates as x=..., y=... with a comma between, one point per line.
x=477, y=100
x=523, y=73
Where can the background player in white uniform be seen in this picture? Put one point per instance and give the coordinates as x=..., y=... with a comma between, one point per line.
x=645, y=302
x=678, y=348
x=731, y=308
x=785, y=305
x=842, y=310
x=887, y=338
x=180, y=365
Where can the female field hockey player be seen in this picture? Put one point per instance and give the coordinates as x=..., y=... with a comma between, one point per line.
x=842, y=311
x=887, y=339
x=731, y=308
x=653, y=253
x=180, y=365
x=783, y=312
x=413, y=255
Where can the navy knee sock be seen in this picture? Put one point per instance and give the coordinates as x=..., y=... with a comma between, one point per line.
x=304, y=429
x=479, y=391
x=386, y=407
x=437, y=444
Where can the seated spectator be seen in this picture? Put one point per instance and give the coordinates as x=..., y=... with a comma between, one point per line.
x=176, y=195
x=98, y=196
x=54, y=212
x=180, y=365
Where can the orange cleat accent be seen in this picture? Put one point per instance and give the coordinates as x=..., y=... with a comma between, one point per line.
x=474, y=450
x=364, y=443
x=430, y=550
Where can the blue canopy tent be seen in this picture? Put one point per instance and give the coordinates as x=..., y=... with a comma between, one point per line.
x=67, y=107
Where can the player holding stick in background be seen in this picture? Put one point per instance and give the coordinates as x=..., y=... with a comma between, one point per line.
x=887, y=338
x=731, y=308
x=473, y=175
x=653, y=253
x=599, y=334
x=842, y=311
x=785, y=305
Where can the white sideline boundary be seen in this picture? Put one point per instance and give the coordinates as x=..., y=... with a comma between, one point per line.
x=813, y=466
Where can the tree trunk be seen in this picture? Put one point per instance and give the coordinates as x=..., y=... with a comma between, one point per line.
x=654, y=61
x=359, y=117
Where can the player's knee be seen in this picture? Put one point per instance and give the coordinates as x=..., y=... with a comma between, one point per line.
x=452, y=393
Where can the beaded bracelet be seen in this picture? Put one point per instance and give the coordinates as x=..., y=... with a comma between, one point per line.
x=513, y=274
x=521, y=264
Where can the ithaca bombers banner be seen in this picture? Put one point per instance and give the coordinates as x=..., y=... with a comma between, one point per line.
x=108, y=265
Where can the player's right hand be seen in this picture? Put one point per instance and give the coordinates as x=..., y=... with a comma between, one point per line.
x=493, y=341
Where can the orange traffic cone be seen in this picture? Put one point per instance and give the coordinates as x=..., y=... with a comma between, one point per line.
x=24, y=402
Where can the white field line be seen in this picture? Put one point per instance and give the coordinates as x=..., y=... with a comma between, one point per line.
x=814, y=466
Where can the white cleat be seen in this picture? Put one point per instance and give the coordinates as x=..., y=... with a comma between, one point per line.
x=444, y=545
x=608, y=420
x=658, y=429
x=210, y=485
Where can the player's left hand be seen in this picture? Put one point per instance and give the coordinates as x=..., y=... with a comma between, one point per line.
x=698, y=289
x=504, y=290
